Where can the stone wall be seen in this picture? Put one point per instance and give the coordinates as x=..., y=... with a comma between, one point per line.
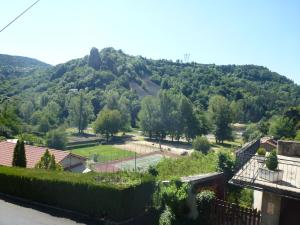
x=288, y=148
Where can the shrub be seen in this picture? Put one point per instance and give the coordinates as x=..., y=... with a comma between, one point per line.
x=56, y=139
x=174, y=195
x=261, y=152
x=204, y=201
x=153, y=171
x=167, y=217
x=118, y=196
x=226, y=164
x=201, y=144
x=272, y=161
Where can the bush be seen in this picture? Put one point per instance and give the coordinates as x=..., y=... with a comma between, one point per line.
x=201, y=144
x=153, y=171
x=204, y=201
x=56, y=139
x=118, y=196
x=272, y=161
x=261, y=152
x=167, y=217
x=174, y=195
x=226, y=164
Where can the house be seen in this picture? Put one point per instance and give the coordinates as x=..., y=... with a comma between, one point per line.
x=278, y=201
x=68, y=160
x=268, y=143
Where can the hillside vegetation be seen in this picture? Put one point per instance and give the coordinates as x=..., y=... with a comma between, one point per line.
x=42, y=96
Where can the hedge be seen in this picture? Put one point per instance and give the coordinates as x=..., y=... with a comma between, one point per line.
x=117, y=196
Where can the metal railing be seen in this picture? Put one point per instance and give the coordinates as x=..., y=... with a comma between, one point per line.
x=255, y=171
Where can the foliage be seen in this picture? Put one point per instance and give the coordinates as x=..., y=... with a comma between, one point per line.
x=108, y=122
x=252, y=132
x=221, y=115
x=80, y=111
x=246, y=198
x=167, y=217
x=19, y=156
x=201, y=144
x=171, y=114
x=282, y=127
x=174, y=195
x=297, y=138
x=253, y=92
x=272, y=160
x=226, y=164
x=153, y=171
x=56, y=139
x=204, y=201
x=48, y=162
x=101, y=194
x=32, y=139
x=240, y=196
x=197, y=163
x=9, y=121
x=261, y=151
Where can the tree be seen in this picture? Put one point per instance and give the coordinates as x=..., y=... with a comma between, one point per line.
x=108, y=123
x=19, y=156
x=80, y=111
x=251, y=132
x=56, y=139
x=201, y=144
x=219, y=109
x=48, y=162
x=189, y=120
x=149, y=116
x=282, y=127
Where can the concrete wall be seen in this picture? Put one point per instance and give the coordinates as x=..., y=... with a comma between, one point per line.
x=257, y=199
x=270, y=209
x=288, y=148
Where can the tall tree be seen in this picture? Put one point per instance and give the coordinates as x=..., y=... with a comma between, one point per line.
x=80, y=111
x=219, y=109
x=19, y=156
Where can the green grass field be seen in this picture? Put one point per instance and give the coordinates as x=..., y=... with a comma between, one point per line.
x=103, y=153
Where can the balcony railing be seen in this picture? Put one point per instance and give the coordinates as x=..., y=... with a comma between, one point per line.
x=254, y=173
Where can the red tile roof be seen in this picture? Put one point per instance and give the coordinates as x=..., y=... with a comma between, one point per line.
x=33, y=154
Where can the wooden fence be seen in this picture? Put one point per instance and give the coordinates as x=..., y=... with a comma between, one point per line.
x=225, y=213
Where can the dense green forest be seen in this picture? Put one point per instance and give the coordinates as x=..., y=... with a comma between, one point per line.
x=36, y=97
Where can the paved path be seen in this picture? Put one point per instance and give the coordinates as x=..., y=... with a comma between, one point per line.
x=12, y=213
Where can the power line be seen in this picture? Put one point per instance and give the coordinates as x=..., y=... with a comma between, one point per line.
x=19, y=16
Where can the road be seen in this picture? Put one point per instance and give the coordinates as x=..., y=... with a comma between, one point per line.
x=15, y=213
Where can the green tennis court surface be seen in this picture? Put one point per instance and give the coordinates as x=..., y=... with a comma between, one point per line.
x=141, y=163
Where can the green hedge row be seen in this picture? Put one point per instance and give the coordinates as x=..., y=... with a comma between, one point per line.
x=118, y=196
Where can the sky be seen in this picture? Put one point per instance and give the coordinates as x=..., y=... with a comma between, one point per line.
x=261, y=32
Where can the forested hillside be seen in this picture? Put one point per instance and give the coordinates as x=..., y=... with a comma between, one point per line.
x=43, y=95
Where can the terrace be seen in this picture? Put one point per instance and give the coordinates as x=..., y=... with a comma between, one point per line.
x=248, y=175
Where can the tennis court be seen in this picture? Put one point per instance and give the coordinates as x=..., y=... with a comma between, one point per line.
x=140, y=163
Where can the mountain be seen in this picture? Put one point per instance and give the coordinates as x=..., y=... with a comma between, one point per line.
x=256, y=91
x=19, y=65
x=22, y=62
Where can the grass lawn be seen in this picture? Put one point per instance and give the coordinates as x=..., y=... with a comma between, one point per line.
x=227, y=145
x=103, y=153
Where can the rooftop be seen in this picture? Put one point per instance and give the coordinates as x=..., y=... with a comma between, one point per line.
x=33, y=154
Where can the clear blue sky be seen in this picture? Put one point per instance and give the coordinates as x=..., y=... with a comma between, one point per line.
x=262, y=32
